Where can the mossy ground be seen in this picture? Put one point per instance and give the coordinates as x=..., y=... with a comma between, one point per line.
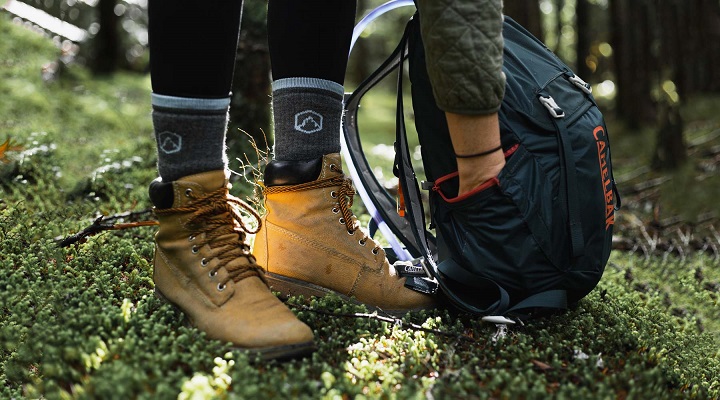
x=82, y=322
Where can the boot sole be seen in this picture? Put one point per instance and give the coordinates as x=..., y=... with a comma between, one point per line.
x=278, y=353
x=294, y=287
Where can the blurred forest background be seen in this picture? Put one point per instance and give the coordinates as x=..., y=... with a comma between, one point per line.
x=643, y=57
x=653, y=65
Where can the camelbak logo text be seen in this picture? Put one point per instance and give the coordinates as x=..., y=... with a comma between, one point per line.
x=600, y=140
x=414, y=269
x=404, y=268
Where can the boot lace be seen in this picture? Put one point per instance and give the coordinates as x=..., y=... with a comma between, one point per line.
x=344, y=194
x=217, y=216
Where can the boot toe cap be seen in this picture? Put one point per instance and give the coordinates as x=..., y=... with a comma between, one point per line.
x=260, y=319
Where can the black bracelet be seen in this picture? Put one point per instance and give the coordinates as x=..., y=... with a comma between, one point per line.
x=484, y=153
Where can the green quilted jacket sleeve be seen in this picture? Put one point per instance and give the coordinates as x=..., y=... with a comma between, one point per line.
x=464, y=46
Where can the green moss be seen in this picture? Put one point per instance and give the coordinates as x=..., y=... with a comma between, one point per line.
x=82, y=322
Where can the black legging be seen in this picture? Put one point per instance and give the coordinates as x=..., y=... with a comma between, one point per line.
x=310, y=38
x=193, y=42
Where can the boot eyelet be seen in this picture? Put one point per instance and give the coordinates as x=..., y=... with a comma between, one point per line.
x=375, y=251
x=221, y=287
x=362, y=242
x=212, y=274
x=204, y=262
x=334, y=194
x=335, y=210
x=195, y=249
x=188, y=192
x=191, y=238
x=342, y=221
x=351, y=233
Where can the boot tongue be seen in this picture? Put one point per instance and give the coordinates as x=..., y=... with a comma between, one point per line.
x=285, y=173
x=288, y=173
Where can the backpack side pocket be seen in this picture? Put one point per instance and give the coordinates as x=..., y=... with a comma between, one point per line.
x=503, y=233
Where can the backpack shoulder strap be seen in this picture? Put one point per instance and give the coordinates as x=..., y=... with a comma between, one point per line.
x=403, y=169
x=379, y=203
x=551, y=299
x=571, y=188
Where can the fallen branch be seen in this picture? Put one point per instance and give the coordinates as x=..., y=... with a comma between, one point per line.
x=393, y=320
x=705, y=139
x=103, y=223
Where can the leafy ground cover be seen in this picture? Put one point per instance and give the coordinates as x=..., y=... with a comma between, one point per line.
x=82, y=321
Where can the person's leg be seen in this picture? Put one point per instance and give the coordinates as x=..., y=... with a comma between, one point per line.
x=203, y=263
x=309, y=42
x=310, y=241
x=470, y=94
x=192, y=56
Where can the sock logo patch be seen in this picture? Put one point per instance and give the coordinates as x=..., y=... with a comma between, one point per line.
x=308, y=121
x=169, y=142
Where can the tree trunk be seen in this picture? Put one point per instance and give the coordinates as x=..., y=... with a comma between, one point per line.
x=621, y=56
x=107, y=41
x=674, y=56
x=250, y=106
x=527, y=14
x=632, y=42
x=710, y=29
x=559, y=5
x=582, y=22
x=670, y=149
x=698, y=39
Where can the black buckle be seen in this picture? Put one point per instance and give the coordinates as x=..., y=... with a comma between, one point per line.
x=422, y=285
x=415, y=276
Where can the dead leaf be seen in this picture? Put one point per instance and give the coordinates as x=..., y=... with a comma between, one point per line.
x=541, y=365
x=6, y=147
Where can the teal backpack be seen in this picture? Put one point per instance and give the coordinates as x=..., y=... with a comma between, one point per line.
x=537, y=237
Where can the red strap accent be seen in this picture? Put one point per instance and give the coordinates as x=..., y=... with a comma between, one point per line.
x=400, y=201
x=485, y=185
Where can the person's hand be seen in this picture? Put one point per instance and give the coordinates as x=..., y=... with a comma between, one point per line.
x=475, y=137
x=473, y=172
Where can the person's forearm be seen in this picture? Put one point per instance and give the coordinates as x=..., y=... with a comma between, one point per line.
x=472, y=135
x=464, y=54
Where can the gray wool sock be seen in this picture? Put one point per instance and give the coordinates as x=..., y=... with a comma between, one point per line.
x=307, y=113
x=190, y=135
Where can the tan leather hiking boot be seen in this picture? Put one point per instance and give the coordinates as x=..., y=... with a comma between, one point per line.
x=311, y=243
x=203, y=265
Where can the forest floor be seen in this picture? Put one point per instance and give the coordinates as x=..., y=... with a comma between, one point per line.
x=82, y=321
